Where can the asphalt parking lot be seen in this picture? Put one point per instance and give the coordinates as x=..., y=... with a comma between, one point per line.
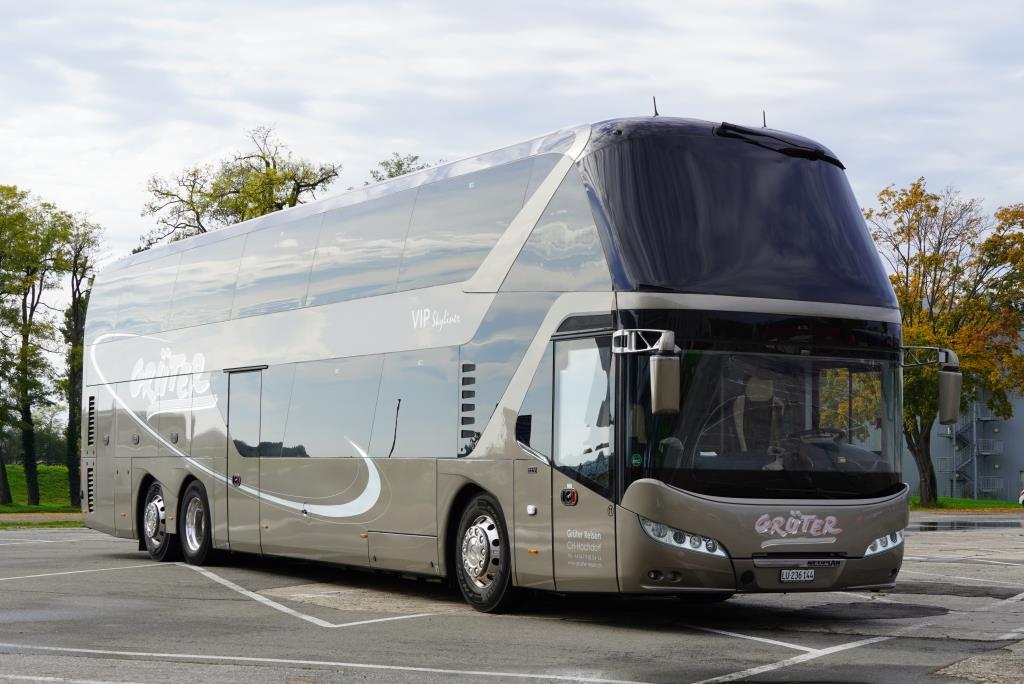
x=81, y=606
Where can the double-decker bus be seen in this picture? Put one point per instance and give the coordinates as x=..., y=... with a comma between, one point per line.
x=647, y=356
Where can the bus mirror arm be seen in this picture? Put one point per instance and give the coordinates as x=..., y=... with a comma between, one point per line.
x=950, y=378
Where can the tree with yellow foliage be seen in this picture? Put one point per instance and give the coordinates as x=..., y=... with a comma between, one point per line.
x=959, y=278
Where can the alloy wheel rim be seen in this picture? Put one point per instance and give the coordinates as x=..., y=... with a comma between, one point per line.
x=195, y=524
x=155, y=521
x=481, y=551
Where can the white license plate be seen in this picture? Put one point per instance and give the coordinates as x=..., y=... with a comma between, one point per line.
x=797, y=576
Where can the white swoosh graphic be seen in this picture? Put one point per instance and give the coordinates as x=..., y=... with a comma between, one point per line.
x=366, y=500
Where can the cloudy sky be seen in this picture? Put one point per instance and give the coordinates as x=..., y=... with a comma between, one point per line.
x=95, y=97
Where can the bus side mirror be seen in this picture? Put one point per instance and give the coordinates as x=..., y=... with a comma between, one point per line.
x=950, y=383
x=665, y=385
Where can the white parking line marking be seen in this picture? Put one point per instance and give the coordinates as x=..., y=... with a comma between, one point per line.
x=958, y=577
x=62, y=680
x=76, y=572
x=291, y=611
x=786, y=644
x=38, y=541
x=795, y=660
x=321, y=663
x=1014, y=634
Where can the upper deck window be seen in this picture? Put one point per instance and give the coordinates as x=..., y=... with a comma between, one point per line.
x=360, y=249
x=708, y=214
x=206, y=283
x=457, y=221
x=274, y=272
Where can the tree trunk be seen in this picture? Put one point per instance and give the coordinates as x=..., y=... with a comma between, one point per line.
x=74, y=462
x=74, y=431
x=919, y=441
x=5, y=486
x=28, y=454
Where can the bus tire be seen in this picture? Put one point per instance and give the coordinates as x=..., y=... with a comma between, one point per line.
x=483, y=556
x=161, y=545
x=194, y=523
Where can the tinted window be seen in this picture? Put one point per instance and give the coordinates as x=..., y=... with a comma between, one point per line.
x=101, y=314
x=533, y=426
x=142, y=306
x=360, y=249
x=542, y=166
x=244, y=412
x=205, y=286
x=332, y=407
x=493, y=356
x=583, y=436
x=416, y=409
x=707, y=214
x=275, y=399
x=564, y=251
x=457, y=221
x=274, y=272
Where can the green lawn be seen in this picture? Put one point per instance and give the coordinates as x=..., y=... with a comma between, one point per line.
x=45, y=523
x=53, y=491
x=950, y=503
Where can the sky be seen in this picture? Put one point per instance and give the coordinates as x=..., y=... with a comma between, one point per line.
x=97, y=97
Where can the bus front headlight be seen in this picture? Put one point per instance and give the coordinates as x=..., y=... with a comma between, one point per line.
x=885, y=543
x=680, y=539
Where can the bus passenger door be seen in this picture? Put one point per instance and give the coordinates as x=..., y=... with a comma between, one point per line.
x=243, y=463
x=582, y=509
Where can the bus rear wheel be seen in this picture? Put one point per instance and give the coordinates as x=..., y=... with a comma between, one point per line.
x=483, y=559
x=194, y=520
x=160, y=545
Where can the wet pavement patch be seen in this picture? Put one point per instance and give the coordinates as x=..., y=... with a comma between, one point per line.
x=945, y=589
x=869, y=611
x=948, y=525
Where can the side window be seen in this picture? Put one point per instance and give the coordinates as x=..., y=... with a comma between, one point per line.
x=417, y=409
x=244, y=412
x=205, y=286
x=274, y=272
x=274, y=402
x=457, y=221
x=360, y=249
x=582, y=434
x=564, y=251
x=533, y=425
x=330, y=414
x=143, y=304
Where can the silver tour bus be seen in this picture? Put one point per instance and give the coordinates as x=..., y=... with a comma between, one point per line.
x=647, y=356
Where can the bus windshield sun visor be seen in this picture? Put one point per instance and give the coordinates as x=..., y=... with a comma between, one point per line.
x=774, y=143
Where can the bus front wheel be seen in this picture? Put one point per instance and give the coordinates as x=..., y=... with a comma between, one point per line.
x=483, y=561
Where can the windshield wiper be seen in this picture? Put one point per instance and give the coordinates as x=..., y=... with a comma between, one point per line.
x=775, y=143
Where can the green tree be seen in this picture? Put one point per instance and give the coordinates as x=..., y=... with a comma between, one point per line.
x=398, y=165
x=32, y=267
x=253, y=182
x=959, y=278
x=13, y=218
x=80, y=250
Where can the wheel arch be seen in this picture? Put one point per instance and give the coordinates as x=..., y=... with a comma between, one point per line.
x=140, y=498
x=450, y=529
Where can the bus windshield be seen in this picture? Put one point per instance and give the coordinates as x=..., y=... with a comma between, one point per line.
x=754, y=425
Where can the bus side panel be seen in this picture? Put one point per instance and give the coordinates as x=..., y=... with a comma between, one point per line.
x=532, y=533
x=295, y=527
x=101, y=517
x=454, y=475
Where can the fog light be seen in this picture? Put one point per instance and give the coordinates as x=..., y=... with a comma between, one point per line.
x=654, y=575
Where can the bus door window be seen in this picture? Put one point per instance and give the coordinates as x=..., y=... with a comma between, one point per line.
x=582, y=436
